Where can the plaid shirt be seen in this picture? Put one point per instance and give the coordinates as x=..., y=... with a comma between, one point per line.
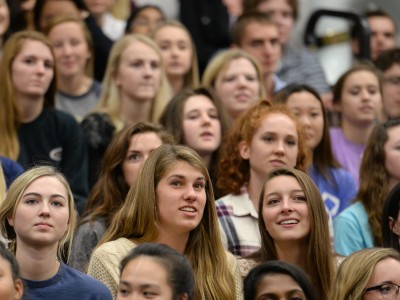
x=238, y=221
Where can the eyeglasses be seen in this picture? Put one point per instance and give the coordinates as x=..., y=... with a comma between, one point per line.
x=388, y=290
x=395, y=80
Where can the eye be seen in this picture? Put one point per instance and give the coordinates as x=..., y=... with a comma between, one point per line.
x=31, y=201
x=123, y=292
x=57, y=203
x=155, y=65
x=48, y=64
x=300, y=198
x=268, y=138
x=134, y=156
x=199, y=185
x=291, y=142
x=387, y=289
x=272, y=201
x=176, y=183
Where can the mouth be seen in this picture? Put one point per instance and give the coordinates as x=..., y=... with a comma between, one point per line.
x=43, y=224
x=189, y=209
x=277, y=163
x=289, y=222
x=206, y=134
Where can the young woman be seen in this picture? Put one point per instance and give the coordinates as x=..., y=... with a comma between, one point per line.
x=359, y=226
x=237, y=80
x=123, y=160
x=78, y=92
x=337, y=185
x=157, y=270
x=368, y=274
x=31, y=130
x=278, y=280
x=196, y=119
x=391, y=220
x=171, y=203
x=357, y=96
x=294, y=227
x=179, y=55
x=144, y=19
x=11, y=284
x=263, y=138
x=39, y=219
x=134, y=89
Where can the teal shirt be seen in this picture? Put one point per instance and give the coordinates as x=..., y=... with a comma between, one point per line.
x=351, y=230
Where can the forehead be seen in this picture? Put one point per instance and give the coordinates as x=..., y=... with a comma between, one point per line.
x=381, y=22
x=172, y=32
x=260, y=31
x=138, y=49
x=197, y=102
x=361, y=77
x=35, y=47
x=149, y=12
x=279, y=123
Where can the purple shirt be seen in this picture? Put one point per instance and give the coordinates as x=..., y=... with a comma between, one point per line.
x=347, y=153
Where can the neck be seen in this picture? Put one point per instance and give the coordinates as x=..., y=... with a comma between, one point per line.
x=177, y=83
x=135, y=111
x=173, y=240
x=269, y=85
x=206, y=159
x=99, y=19
x=74, y=85
x=254, y=188
x=29, y=108
x=37, y=264
x=356, y=133
x=392, y=183
x=291, y=252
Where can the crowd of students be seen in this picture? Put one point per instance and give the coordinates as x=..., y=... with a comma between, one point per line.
x=143, y=158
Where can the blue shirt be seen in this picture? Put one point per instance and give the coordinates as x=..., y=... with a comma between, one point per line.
x=67, y=284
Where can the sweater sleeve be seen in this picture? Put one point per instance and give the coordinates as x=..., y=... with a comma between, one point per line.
x=103, y=267
x=234, y=267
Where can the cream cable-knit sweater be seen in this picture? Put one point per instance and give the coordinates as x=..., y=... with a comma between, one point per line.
x=105, y=260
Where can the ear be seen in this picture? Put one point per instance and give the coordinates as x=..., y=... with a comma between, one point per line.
x=183, y=297
x=394, y=226
x=10, y=220
x=19, y=288
x=244, y=150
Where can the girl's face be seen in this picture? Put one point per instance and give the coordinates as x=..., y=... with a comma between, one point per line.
x=32, y=69
x=308, y=110
x=4, y=17
x=285, y=210
x=385, y=281
x=201, y=125
x=10, y=289
x=274, y=144
x=392, y=155
x=237, y=86
x=70, y=48
x=282, y=14
x=99, y=7
x=361, y=99
x=140, y=147
x=146, y=21
x=176, y=49
x=144, y=278
x=279, y=286
x=55, y=8
x=181, y=199
x=42, y=214
x=139, y=72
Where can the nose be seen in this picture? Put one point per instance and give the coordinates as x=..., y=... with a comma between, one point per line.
x=365, y=94
x=66, y=49
x=190, y=194
x=45, y=209
x=148, y=70
x=286, y=206
x=280, y=147
x=40, y=67
x=305, y=120
x=205, y=119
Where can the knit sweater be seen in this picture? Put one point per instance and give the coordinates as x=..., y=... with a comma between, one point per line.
x=105, y=261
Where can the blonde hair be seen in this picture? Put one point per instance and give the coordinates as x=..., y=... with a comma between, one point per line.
x=9, y=206
x=137, y=220
x=221, y=62
x=355, y=271
x=3, y=187
x=191, y=78
x=9, y=145
x=109, y=102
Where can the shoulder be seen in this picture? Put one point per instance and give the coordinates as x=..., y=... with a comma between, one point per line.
x=114, y=249
x=354, y=213
x=245, y=266
x=85, y=283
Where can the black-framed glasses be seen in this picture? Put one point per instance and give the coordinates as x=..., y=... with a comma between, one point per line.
x=388, y=290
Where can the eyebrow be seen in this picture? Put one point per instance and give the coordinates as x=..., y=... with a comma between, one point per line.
x=39, y=195
x=276, y=193
x=184, y=177
x=146, y=285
